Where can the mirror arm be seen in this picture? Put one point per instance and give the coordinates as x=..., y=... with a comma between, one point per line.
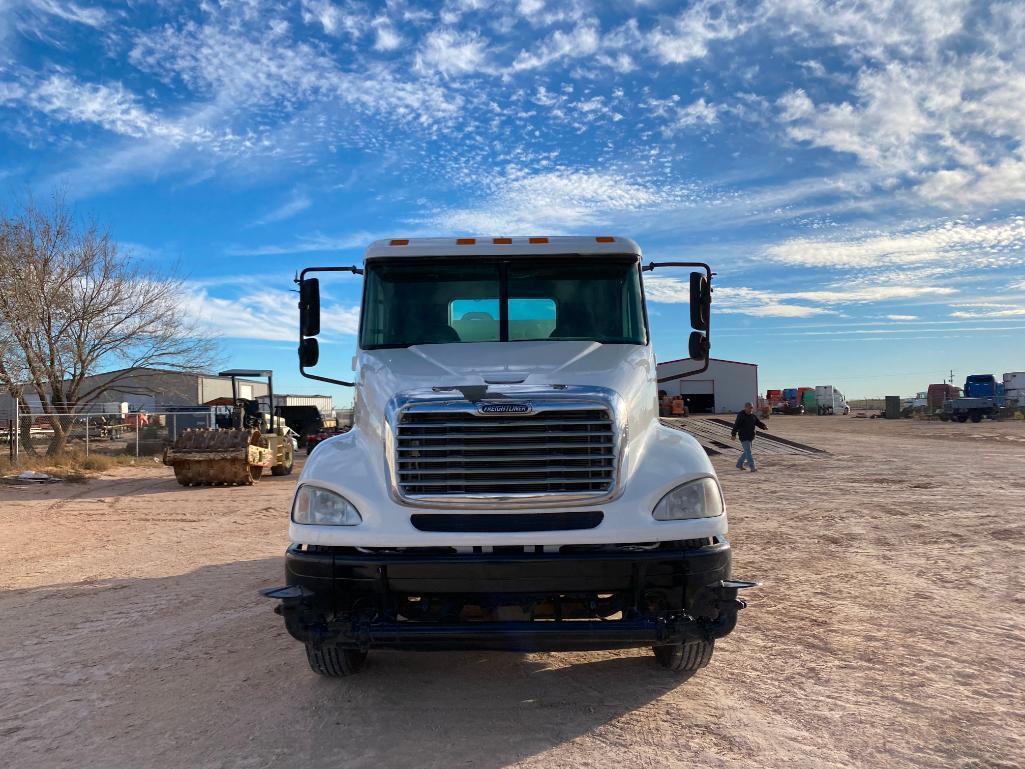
x=327, y=379
x=708, y=331
x=299, y=278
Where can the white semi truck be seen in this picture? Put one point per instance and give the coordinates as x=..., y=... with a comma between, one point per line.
x=507, y=483
x=829, y=400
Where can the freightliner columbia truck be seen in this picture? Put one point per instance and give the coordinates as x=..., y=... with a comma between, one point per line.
x=507, y=483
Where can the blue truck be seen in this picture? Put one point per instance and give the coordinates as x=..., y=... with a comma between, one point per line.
x=983, y=397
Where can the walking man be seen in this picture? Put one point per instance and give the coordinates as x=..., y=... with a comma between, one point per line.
x=745, y=428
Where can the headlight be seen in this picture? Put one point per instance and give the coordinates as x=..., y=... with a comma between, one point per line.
x=322, y=507
x=697, y=499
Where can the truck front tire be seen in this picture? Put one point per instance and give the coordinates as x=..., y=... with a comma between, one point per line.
x=684, y=657
x=333, y=662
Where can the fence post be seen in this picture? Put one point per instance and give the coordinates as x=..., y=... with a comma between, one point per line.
x=138, y=429
x=174, y=427
x=87, y=435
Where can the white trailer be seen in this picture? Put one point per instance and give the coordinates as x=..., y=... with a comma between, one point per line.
x=1014, y=380
x=829, y=400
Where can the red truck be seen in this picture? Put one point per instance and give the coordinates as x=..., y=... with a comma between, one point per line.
x=938, y=394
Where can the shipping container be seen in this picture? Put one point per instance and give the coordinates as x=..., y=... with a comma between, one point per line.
x=790, y=393
x=809, y=400
x=774, y=396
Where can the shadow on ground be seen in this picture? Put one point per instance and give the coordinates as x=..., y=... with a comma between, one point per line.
x=196, y=670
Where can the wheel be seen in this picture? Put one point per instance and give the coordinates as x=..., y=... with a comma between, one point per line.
x=944, y=418
x=962, y=417
x=682, y=657
x=976, y=416
x=286, y=468
x=333, y=662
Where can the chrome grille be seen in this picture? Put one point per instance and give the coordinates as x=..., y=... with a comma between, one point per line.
x=555, y=451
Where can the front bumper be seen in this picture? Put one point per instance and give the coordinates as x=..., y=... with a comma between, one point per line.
x=518, y=598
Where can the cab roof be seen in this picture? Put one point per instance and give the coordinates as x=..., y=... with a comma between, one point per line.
x=535, y=245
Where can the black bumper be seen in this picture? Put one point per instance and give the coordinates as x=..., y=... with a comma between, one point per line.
x=577, y=599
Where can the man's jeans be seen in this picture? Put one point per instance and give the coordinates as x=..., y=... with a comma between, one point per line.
x=746, y=456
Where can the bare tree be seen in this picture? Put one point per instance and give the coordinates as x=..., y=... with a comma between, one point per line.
x=72, y=305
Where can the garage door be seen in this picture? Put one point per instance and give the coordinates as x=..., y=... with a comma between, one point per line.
x=698, y=394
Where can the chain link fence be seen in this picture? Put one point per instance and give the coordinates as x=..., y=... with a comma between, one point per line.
x=135, y=434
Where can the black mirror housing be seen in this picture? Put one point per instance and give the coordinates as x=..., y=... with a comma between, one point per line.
x=698, y=346
x=309, y=353
x=700, y=302
x=309, y=307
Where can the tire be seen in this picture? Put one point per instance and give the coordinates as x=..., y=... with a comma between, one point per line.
x=944, y=418
x=962, y=417
x=333, y=662
x=286, y=468
x=684, y=657
x=976, y=416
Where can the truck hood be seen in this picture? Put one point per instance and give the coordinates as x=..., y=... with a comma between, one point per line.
x=531, y=363
x=627, y=369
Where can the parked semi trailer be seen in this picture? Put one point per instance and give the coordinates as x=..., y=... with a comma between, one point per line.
x=507, y=483
x=829, y=400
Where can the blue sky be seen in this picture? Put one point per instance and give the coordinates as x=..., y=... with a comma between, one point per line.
x=854, y=171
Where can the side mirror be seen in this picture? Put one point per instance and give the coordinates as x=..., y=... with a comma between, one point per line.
x=309, y=308
x=700, y=302
x=309, y=353
x=698, y=346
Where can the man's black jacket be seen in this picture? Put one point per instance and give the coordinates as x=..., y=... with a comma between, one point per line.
x=745, y=426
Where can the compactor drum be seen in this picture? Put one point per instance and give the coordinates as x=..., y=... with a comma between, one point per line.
x=219, y=457
x=234, y=456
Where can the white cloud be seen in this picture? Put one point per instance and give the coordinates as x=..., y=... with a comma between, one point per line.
x=948, y=122
x=69, y=11
x=334, y=19
x=688, y=36
x=902, y=317
x=997, y=311
x=553, y=202
x=583, y=40
x=108, y=106
x=265, y=314
x=304, y=245
x=387, y=39
x=452, y=53
x=782, y=304
x=296, y=203
x=961, y=244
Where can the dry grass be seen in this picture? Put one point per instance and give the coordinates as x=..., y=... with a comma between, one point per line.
x=75, y=467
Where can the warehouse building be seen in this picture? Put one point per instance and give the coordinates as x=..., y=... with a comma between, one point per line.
x=724, y=388
x=154, y=389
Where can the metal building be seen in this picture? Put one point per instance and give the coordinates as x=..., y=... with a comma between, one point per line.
x=153, y=388
x=724, y=388
x=325, y=403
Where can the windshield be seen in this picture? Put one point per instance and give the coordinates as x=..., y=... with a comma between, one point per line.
x=444, y=302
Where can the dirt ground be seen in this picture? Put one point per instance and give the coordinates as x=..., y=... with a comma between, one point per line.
x=890, y=631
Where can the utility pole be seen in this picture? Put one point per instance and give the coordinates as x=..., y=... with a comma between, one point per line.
x=951, y=376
